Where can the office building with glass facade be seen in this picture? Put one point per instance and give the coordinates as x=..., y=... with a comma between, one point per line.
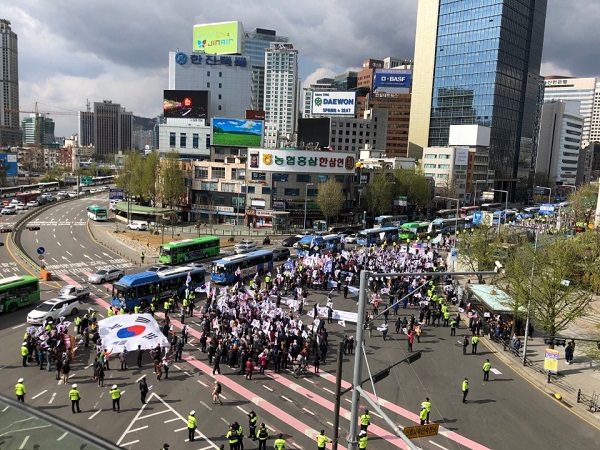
x=478, y=62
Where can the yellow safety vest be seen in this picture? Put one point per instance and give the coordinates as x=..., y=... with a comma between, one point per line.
x=365, y=419
x=74, y=394
x=487, y=366
x=24, y=351
x=475, y=340
x=110, y=312
x=423, y=414
x=279, y=444
x=322, y=440
x=115, y=393
x=465, y=386
x=20, y=389
x=192, y=422
x=362, y=442
x=232, y=436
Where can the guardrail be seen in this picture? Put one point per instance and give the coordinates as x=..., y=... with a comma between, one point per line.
x=591, y=401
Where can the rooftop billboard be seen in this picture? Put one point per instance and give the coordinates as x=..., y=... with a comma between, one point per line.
x=185, y=104
x=223, y=38
x=301, y=161
x=392, y=78
x=333, y=103
x=237, y=133
x=8, y=164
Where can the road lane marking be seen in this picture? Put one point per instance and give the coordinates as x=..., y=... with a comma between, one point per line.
x=95, y=414
x=52, y=398
x=496, y=371
x=329, y=423
x=18, y=326
x=329, y=390
x=308, y=411
x=129, y=443
x=37, y=395
x=153, y=414
x=206, y=406
x=224, y=420
x=242, y=410
x=173, y=420
x=438, y=445
x=68, y=253
x=24, y=442
x=267, y=388
x=286, y=399
x=140, y=428
x=180, y=429
x=202, y=383
x=62, y=436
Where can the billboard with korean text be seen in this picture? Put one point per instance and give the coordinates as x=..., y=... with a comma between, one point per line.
x=333, y=103
x=223, y=38
x=279, y=160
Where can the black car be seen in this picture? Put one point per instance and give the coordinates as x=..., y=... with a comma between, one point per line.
x=281, y=254
x=289, y=242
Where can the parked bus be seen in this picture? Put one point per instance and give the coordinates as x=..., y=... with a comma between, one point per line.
x=468, y=210
x=446, y=226
x=28, y=196
x=310, y=245
x=96, y=212
x=445, y=214
x=413, y=230
x=377, y=236
x=491, y=207
x=187, y=250
x=390, y=221
x=10, y=191
x=231, y=268
x=139, y=288
x=17, y=292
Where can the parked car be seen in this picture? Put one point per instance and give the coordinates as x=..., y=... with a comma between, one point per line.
x=70, y=290
x=245, y=246
x=21, y=207
x=281, y=254
x=103, y=275
x=289, y=242
x=351, y=238
x=7, y=210
x=139, y=226
x=53, y=309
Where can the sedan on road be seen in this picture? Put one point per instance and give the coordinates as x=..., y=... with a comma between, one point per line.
x=33, y=203
x=289, y=242
x=103, y=275
x=8, y=210
x=245, y=246
x=281, y=254
x=21, y=207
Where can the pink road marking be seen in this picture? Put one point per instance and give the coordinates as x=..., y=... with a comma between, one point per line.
x=324, y=375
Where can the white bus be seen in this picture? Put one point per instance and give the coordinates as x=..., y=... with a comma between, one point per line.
x=390, y=221
x=97, y=213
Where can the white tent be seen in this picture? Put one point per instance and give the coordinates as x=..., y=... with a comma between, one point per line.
x=128, y=331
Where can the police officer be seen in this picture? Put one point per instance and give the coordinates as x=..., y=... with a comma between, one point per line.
x=279, y=443
x=423, y=414
x=322, y=440
x=142, y=256
x=24, y=353
x=262, y=435
x=427, y=405
x=252, y=421
x=465, y=390
x=362, y=439
x=240, y=432
x=232, y=437
x=20, y=390
x=74, y=396
x=365, y=421
x=487, y=365
x=474, y=342
x=115, y=394
x=453, y=327
x=192, y=425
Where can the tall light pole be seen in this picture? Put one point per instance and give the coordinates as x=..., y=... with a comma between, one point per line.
x=455, y=223
x=476, y=182
x=505, y=207
x=305, y=203
x=529, y=298
x=549, y=191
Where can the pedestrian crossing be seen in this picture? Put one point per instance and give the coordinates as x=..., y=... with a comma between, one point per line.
x=593, y=319
x=85, y=267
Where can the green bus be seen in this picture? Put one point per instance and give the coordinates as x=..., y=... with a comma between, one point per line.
x=187, y=250
x=413, y=230
x=96, y=212
x=18, y=291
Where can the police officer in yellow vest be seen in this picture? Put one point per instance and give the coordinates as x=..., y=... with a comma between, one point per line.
x=322, y=440
x=279, y=443
x=362, y=440
x=427, y=405
x=487, y=366
x=115, y=394
x=252, y=422
x=137, y=309
x=24, y=353
x=78, y=324
x=233, y=438
x=465, y=390
x=74, y=396
x=423, y=415
x=365, y=420
x=110, y=312
x=474, y=342
x=20, y=390
x=262, y=435
x=192, y=425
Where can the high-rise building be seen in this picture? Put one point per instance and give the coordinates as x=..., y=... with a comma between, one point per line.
x=255, y=44
x=10, y=132
x=478, y=62
x=582, y=90
x=38, y=130
x=113, y=128
x=281, y=94
x=595, y=122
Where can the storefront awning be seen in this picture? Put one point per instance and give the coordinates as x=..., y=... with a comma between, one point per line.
x=493, y=299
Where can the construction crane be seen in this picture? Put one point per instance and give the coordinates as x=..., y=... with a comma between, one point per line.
x=38, y=115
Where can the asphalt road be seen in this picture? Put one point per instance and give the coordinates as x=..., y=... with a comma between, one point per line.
x=505, y=413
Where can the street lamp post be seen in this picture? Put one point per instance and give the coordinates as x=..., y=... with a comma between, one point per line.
x=476, y=182
x=455, y=220
x=305, y=203
x=525, y=341
x=505, y=207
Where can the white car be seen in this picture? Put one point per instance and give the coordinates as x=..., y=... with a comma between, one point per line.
x=21, y=207
x=139, y=226
x=9, y=209
x=103, y=275
x=245, y=246
x=33, y=203
x=53, y=309
x=351, y=239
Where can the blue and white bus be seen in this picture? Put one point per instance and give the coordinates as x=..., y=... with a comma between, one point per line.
x=138, y=288
x=226, y=270
x=446, y=226
x=390, y=221
x=310, y=245
x=377, y=236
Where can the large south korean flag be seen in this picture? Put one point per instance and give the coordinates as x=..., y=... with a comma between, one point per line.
x=128, y=331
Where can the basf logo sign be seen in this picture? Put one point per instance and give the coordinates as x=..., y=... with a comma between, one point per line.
x=334, y=103
x=224, y=38
x=392, y=78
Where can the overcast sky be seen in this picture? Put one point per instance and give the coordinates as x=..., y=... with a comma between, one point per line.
x=70, y=51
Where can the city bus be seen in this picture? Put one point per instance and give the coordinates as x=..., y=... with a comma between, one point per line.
x=310, y=245
x=231, y=268
x=139, y=288
x=187, y=250
x=445, y=214
x=18, y=291
x=447, y=226
x=97, y=213
x=468, y=210
x=491, y=207
x=377, y=236
x=413, y=230
x=28, y=196
x=390, y=221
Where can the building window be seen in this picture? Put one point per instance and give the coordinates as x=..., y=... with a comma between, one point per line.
x=292, y=192
x=172, y=140
x=237, y=201
x=303, y=178
x=195, y=140
x=220, y=74
x=220, y=96
x=266, y=190
x=218, y=200
x=443, y=166
x=250, y=189
x=219, y=107
x=218, y=172
x=220, y=85
x=182, y=140
x=443, y=156
x=429, y=166
x=430, y=156
x=312, y=192
x=201, y=172
x=238, y=174
x=323, y=178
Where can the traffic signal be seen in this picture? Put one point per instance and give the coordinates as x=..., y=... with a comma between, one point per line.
x=6, y=230
x=33, y=228
x=2, y=245
x=555, y=341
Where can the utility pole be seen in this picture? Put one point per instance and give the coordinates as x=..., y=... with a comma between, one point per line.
x=338, y=396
